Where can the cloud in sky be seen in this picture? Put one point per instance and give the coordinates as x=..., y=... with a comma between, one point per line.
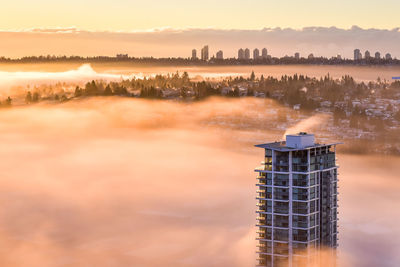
x=170, y=42
x=226, y=14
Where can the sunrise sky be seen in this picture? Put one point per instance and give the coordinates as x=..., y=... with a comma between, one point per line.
x=227, y=14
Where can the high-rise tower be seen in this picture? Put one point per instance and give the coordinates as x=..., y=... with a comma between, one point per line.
x=264, y=53
x=247, y=54
x=256, y=54
x=194, y=54
x=241, y=53
x=297, y=201
x=204, y=53
x=357, y=54
x=220, y=54
x=367, y=55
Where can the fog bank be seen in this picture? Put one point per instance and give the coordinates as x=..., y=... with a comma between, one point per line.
x=128, y=182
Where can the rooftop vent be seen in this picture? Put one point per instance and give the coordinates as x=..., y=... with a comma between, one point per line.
x=300, y=140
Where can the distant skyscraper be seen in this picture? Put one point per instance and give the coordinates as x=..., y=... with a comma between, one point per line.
x=247, y=53
x=388, y=56
x=264, y=53
x=194, y=54
x=297, y=202
x=367, y=55
x=256, y=54
x=357, y=54
x=311, y=56
x=377, y=55
x=220, y=54
x=240, y=53
x=122, y=56
x=297, y=55
x=204, y=53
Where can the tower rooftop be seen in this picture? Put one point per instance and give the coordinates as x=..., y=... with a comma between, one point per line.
x=295, y=142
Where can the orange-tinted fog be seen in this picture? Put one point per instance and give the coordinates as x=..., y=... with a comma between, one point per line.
x=128, y=182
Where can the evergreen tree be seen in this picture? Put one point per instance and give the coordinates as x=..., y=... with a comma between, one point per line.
x=35, y=97
x=108, y=90
x=28, y=97
x=252, y=76
x=8, y=101
x=78, y=92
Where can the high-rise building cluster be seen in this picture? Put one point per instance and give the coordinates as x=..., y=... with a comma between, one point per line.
x=205, y=54
x=367, y=55
x=297, y=202
x=244, y=54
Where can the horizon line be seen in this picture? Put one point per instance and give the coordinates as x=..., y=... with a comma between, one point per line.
x=74, y=29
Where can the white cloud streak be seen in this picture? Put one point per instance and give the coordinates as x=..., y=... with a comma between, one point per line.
x=164, y=42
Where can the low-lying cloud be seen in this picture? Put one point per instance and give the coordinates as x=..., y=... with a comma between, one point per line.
x=129, y=182
x=84, y=73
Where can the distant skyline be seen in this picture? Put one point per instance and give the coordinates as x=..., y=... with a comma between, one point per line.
x=170, y=42
x=115, y=15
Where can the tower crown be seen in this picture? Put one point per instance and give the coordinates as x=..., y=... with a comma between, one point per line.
x=300, y=140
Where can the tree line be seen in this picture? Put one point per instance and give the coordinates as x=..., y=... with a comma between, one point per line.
x=212, y=61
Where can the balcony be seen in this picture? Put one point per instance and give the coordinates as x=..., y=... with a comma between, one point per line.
x=281, y=196
x=281, y=221
x=259, y=168
x=279, y=168
x=264, y=236
x=264, y=181
x=264, y=221
x=302, y=197
x=300, y=160
x=264, y=196
x=281, y=207
x=300, y=238
x=263, y=249
x=300, y=211
x=303, y=225
x=281, y=251
x=281, y=182
x=299, y=168
x=282, y=160
x=264, y=260
x=281, y=210
x=300, y=183
x=281, y=237
x=264, y=231
x=265, y=209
